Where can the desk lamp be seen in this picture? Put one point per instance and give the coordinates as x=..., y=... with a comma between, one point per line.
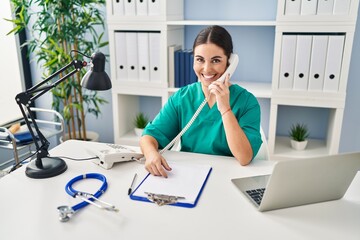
x=96, y=78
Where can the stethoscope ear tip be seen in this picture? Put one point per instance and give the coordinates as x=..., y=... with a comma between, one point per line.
x=64, y=213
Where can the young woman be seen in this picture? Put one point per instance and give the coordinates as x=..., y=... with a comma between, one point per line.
x=228, y=125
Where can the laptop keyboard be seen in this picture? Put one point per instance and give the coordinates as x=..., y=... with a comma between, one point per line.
x=256, y=194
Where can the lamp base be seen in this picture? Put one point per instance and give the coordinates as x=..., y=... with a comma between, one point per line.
x=51, y=167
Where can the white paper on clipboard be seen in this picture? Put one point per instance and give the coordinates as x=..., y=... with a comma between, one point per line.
x=184, y=180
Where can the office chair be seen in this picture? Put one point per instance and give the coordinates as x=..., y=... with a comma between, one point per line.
x=263, y=153
x=47, y=127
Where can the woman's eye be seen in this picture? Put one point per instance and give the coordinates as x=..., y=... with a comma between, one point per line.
x=216, y=60
x=199, y=60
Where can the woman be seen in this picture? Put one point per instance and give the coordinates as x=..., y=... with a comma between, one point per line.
x=228, y=125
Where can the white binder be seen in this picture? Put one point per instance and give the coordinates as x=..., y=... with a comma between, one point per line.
x=143, y=56
x=287, y=62
x=292, y=7
x=118, y=7
x=153, y=7
x=141, y=7
x=341, y=7
x=325, y=7
x=120, y=56
x=132, y=56
x=317, y=64
x=129, y=7
x=171, y=64
x=308, y=7
x=154, y=44
x=333, y=63
x=302, y=62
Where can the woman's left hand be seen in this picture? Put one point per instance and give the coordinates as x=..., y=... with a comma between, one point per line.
x=222, y=93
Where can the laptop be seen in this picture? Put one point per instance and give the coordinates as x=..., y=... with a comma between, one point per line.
x=301, y=181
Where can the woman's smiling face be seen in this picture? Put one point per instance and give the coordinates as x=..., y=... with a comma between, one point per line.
x=210, y=63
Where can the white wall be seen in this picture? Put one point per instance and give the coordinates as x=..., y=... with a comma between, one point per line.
x=350, y=135
x=11, y=80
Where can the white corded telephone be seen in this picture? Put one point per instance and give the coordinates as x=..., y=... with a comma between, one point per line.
x=108, y=154
x=112, y=153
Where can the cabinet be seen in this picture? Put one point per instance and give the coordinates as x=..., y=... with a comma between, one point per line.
x=329, y=30
x=259, y=36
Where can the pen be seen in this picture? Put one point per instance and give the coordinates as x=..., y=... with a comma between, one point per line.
x=132, y=183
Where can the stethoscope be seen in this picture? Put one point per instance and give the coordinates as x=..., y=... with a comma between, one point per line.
x=65, y=212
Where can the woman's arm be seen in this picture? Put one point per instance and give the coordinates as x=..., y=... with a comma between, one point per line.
x=237, y=140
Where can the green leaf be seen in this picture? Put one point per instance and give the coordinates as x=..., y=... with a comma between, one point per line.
x=299, y=132
x=141, y=120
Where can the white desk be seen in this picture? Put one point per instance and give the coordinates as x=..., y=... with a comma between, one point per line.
x=29, y=207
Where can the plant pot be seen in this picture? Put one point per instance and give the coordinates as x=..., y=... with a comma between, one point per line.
x=90, y=135
x=298, y=145
x=138, y=131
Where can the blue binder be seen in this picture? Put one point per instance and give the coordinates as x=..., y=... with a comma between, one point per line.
x=196, y=175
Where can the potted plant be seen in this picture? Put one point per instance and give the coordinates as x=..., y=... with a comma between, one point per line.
x=140, y=122
x=57, y=28
x=298, y=134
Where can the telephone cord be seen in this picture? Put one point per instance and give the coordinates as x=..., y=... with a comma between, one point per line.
x=177, y=138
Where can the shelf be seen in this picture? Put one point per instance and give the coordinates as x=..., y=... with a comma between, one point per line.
x=283, y=149
x=310, y=99
x=144, y=90
x=260, y=90
x=223, y=23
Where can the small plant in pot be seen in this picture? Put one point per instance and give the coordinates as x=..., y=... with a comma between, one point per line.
x=298, y=134
x=140, y=122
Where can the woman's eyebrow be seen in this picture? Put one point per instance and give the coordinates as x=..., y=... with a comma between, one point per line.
x=215, y=57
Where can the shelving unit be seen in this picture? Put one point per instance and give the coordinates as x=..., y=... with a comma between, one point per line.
x=174, y=28
x=334, y=101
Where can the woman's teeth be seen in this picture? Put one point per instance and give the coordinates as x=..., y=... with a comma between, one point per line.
x=208, y=76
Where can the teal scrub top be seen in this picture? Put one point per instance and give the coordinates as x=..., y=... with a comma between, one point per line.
x=206, y=135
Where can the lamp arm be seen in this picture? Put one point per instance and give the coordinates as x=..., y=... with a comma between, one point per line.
x=26, y=98
x=44, y=142
x=28, y=94
x=34, y=88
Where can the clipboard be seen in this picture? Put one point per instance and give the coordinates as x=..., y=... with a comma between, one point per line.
x=182, y=188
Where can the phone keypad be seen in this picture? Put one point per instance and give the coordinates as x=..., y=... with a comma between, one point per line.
x=116, y=146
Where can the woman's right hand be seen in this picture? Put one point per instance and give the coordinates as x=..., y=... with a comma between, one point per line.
x=156, y=164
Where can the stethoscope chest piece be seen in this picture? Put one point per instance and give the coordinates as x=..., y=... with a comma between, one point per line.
x=64, y=213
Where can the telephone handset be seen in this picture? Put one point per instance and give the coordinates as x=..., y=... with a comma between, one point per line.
x=233, y=62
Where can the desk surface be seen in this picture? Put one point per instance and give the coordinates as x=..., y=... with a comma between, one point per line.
x=29, y=206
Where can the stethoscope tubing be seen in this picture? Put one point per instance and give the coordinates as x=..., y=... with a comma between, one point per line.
x=72, y=192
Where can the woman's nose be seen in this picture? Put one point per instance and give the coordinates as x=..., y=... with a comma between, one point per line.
x=206, y=66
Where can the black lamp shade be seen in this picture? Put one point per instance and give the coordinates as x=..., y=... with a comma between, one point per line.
x=96, y=78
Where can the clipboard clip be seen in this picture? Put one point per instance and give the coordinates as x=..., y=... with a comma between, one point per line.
x=162, y=199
